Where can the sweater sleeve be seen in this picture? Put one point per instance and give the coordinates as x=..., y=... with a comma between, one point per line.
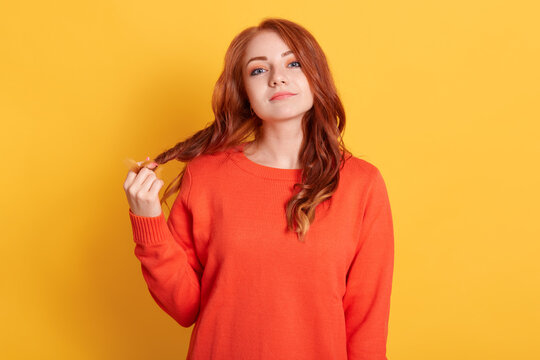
x=168, y=259
x=369, y=279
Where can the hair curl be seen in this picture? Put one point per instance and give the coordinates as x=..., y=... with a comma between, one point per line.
x=322, y=151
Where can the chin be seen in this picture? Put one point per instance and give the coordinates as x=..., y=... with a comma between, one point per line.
x=275, y=118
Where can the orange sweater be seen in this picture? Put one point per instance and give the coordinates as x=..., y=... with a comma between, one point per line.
x=225, y=261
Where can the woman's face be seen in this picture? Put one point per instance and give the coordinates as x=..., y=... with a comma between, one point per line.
x=274, y=70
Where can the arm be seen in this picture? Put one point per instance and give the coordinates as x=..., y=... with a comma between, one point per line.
x=369, y=279
x=168, y=260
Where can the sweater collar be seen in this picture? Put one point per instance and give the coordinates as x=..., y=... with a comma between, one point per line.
x=240, y=158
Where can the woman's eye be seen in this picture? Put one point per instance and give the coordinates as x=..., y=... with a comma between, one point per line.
x=254, y=72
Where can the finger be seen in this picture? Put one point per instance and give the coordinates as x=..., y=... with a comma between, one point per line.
x=129, y=179
x=143, y=174
x=145, y=185
x=152, y=165
x=137, y=166
x=156, y=186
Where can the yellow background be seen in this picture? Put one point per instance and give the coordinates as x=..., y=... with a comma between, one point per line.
x=442, y=96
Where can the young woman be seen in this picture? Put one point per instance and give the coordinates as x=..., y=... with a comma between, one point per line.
x=277, y=248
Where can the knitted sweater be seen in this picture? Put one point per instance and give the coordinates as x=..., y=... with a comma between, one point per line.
x=225, y=261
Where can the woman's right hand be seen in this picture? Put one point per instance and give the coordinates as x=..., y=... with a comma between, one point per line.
x=142, y=191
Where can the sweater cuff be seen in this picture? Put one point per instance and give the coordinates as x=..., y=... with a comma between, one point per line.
x=149, y=230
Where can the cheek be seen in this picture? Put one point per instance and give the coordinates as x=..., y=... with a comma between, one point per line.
x=304, y=83
x=251, y=86
x=250, y=91
x=307, y=90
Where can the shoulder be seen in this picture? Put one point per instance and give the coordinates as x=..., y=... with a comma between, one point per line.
x=363, y=183
x=205, y=163
x=201, y=174
x=359, y=169
x=209, y=166
x=360, y=177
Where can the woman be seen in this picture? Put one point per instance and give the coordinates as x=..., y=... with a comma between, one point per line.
x=278, y=248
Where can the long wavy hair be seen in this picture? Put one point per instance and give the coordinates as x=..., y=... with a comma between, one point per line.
x=322, y=152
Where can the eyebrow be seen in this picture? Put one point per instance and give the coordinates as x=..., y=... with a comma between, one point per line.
x=265, y=58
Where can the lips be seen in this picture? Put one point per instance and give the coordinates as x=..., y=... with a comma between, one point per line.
x=281, y=95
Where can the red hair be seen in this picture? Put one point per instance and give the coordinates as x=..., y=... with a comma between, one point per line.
x=322, y=152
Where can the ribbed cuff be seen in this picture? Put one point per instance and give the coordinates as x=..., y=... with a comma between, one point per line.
x=149, y=230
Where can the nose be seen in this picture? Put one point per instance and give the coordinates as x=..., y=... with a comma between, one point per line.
x=278, y=77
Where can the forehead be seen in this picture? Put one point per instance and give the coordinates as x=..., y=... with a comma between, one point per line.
x=265, y=43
